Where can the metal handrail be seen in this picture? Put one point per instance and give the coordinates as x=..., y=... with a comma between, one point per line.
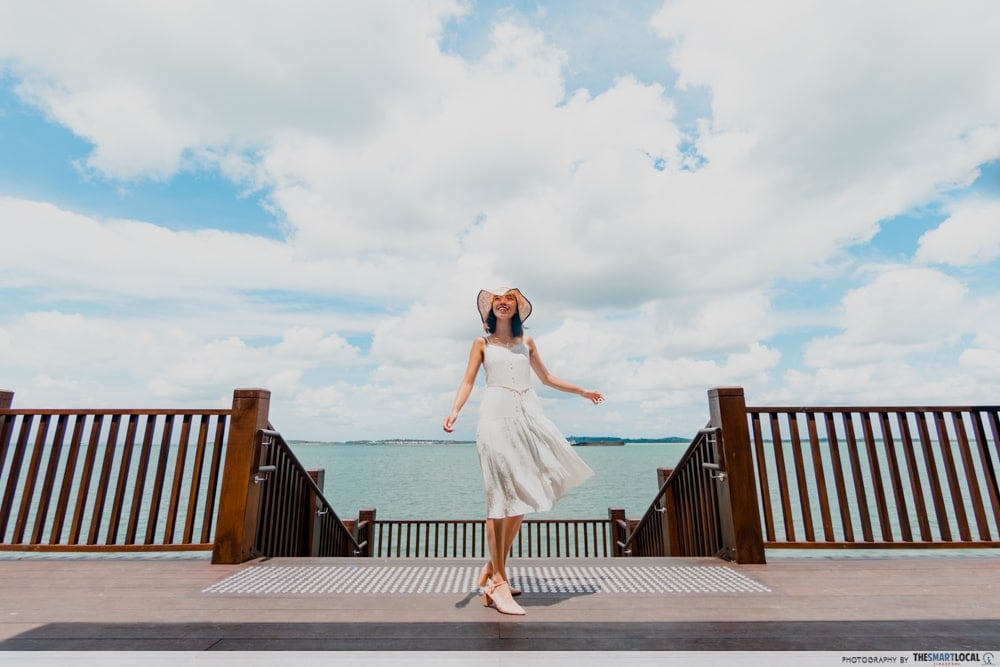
x=324, y=508
x=654, y=506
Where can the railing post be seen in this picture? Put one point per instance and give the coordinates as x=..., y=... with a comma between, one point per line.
x=737, y=488
x=669, y=531
x=318, y=476
x=6, y=399
x=239, y=499
x=364, y=532
x=670, y=527
x=616, y=516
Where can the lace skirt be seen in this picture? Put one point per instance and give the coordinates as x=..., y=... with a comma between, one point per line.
x=527, y=464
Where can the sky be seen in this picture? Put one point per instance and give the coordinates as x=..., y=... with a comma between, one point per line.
x=798, y=197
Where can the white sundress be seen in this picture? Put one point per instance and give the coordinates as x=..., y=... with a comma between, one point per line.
x=527, y=464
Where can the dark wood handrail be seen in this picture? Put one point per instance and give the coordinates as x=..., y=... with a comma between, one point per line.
x=885, y=477
x=295, y=518
x=109, y=480
x=683, y=518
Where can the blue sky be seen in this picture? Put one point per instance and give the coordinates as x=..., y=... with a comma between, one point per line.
x=798, y=198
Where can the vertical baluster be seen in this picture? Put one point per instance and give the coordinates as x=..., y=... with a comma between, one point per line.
x=283, y=518
x=860, y=494
x=122, y=481
x=6, y=431
x=989, y=469
x=971, y=476
x=288, y=490
x=49, y=481
x=916, y=485
x=710, y=516
x=606, y=535
x=218, y=446
x=763, y=479
x=139, y=487
x=69, y=473
x=933, y=477
x=14, y=476
x=379, y=533
x=34, y=467
x=158, y=480
x=783, y=481
x=878, y=484
x=951, y=473
x=281, y=530
x=83, y=493
x=896, y=477
x=800, y=477
x=305, y=514
x=263, y=539
x=691, y=511
x=194, y=491
x=178, y=483
x=837, y=465
x=817, y=457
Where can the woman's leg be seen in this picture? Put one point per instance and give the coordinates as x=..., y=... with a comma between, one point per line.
x=500, y=535
x=501, y=539
x=512, y=525
x=495, y=542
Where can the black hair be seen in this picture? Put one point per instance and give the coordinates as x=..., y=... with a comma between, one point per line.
x=516, y=328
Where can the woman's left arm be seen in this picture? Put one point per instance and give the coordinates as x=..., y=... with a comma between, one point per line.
x=550, y=380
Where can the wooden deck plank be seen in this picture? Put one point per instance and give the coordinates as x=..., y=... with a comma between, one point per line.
x=924, y=603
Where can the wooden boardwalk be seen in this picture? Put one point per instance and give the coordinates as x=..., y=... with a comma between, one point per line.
x=678, y=604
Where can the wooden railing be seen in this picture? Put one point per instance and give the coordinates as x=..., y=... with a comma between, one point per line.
x=466, y=538
x=829, y=477
x=775, y=477
x=684, y=518
x=295, y=518
x=161, y=480
x=109, y=480
x=878, y=477
x=709, y=500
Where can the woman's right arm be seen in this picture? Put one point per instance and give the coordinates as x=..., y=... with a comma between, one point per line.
x=468, y=382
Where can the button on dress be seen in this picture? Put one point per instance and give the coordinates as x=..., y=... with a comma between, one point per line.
x=527, y=464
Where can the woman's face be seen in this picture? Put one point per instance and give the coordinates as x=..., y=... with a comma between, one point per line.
x=504, y=306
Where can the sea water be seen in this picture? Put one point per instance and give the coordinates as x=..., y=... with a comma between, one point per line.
x=444, y=481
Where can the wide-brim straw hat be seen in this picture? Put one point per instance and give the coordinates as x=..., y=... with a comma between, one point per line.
x=485, y=301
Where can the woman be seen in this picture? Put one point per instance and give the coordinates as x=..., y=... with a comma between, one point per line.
x=527, y=463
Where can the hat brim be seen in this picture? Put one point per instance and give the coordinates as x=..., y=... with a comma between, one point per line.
x=485, y=302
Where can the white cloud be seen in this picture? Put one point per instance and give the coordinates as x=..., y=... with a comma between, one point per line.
x=146, y=84
x=901, y=311
x=141, y=260
x=969, y=236
x=406, y=178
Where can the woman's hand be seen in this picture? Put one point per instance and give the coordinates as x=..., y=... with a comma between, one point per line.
x=594, y=397
x=449, y=422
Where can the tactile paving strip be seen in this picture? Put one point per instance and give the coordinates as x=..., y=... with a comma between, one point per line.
x=408, y=579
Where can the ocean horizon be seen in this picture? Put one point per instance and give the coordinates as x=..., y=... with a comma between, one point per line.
x=417, y=479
